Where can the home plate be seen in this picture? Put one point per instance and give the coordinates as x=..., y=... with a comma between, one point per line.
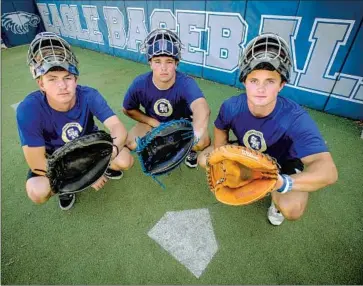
x=188, y=236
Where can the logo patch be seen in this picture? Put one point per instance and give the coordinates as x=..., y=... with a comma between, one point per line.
x=254, y=140
x=162, y=107
x=19, y=22
x=71, y=131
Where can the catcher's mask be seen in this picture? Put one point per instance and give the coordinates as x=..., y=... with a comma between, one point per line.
x=162, y=42
x=48, y=50
x=266, y=48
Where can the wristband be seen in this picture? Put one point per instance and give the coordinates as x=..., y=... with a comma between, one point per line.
x=287, y=185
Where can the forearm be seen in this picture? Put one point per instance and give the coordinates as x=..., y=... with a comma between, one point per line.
x=117, y=131
x=140, y=116
x=313, y=179
x=200, y=122
x=119, y=135
x=316, y=175
x=220, y=137
x=35, y=158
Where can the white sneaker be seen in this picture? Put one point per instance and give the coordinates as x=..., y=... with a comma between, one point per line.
x=274, y=215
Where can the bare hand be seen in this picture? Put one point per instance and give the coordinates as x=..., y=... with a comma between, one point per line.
x=154, y=123
x=99, y=183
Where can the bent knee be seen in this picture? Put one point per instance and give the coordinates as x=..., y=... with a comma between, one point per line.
x=127, y=163
x=123, y=162
x=293, y=212
x=38, y=190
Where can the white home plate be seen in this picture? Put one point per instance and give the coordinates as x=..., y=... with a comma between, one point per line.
x=188, y=236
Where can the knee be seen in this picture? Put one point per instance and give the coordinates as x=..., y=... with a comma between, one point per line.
x=127, y=162
x=38, y=192
x=123, y=162
x=292, y=211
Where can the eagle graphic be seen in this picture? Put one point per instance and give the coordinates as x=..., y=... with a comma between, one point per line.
x=19, y=22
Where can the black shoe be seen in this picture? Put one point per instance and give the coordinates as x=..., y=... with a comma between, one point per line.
x=113, y=174
x=192, y=159
x=66, y=201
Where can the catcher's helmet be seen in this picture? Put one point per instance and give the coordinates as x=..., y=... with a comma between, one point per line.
x=266, y=48
x=162, y=42
x=48, y=50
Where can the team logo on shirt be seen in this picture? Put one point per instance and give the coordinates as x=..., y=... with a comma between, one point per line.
x=254, y=140
x=71, y=131
x=162, y=107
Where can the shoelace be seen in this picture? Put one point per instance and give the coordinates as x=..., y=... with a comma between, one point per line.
x=66, y=197
x=192, y=155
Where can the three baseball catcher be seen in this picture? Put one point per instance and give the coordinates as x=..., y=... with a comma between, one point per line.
x=279, y=149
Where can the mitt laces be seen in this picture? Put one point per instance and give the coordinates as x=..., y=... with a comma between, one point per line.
x=223, y=179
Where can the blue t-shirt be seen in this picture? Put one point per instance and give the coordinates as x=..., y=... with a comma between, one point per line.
x=287, y=133
x=163, y=105
x=40, y=125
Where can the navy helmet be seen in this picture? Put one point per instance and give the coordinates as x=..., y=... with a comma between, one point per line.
x=162, y=42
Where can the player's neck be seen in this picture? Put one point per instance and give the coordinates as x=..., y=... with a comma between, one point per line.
x=163, y=85
x=261, y=111
x=62, y=107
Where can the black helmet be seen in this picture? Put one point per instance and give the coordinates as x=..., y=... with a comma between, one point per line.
x=266, y=48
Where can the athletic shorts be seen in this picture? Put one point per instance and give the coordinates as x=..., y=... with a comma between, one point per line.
x=292, y=167
x=31, y=175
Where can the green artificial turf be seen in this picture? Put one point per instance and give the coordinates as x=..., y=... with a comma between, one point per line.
x=103, y=239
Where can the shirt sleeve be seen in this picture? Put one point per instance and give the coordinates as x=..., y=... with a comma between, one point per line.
x=222, y=122
x=99, y=106
x=29, y=126
x=306, y=138
x=191, y=91
x=131, y=99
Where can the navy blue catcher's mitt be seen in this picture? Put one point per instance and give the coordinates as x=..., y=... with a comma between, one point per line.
x=79, y=163
x=163, y=148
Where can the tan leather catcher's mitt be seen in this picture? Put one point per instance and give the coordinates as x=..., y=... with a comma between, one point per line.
x=239, y=176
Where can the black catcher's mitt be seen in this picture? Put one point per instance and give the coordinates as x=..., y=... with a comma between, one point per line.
x=79, y=163
x=165, y=147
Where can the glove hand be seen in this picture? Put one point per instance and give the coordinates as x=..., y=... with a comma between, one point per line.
x=165, y=147
x=154, y=123
x=240, y=176
x=80, y=163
